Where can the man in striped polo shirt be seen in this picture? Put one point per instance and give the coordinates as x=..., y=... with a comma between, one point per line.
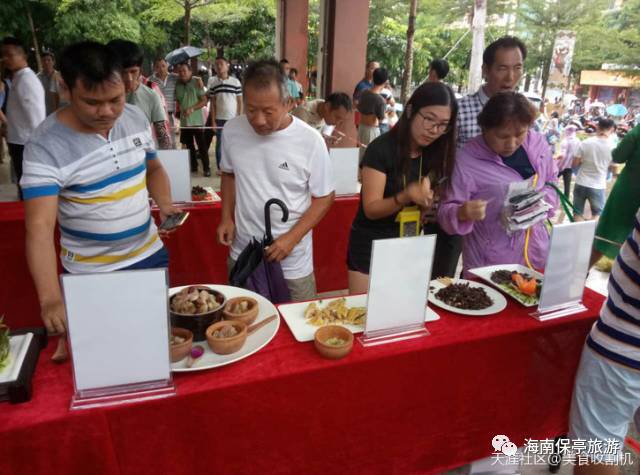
x=607, y=390
x=92, y=166
x=225, y=94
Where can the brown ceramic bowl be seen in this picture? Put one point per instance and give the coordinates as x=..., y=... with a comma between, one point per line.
x=225, y=346
x=181, y=350
x=247, y=317
x=333, y=352
x=199, y=322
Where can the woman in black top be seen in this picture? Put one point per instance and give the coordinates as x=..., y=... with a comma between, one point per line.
x=400, y=168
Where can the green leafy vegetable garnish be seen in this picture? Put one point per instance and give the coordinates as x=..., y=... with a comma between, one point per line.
x=4, y=343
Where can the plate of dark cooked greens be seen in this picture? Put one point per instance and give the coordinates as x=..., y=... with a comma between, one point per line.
x=466, y=297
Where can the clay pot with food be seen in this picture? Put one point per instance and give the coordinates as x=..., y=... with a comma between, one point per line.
x=196, y=308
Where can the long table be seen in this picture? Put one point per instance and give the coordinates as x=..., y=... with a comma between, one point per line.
x=417, y=406
x=195, y=256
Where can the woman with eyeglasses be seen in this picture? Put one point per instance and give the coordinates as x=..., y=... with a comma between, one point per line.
x=508, y=152
x=402, y=169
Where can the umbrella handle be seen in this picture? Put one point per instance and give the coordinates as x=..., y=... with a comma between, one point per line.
x=267, y=217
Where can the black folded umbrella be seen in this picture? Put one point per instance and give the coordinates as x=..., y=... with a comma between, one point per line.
x=253, y=272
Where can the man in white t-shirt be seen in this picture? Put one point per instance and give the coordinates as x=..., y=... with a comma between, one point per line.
x=594, y=158
x=225, y=96
x=266, y=154
x=25, y=102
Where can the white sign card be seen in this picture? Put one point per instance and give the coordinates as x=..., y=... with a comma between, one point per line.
x=398, y=284
x=344, y=162
x=118, y=328
x=567, y=265
x=176, y=164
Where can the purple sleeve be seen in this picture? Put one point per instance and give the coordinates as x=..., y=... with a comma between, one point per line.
x=458, y=192
x=549, y=171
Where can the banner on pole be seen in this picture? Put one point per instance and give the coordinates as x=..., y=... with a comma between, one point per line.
x=561, y=59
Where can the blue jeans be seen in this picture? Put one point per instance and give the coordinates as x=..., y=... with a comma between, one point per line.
x=595, y=196
x=154, y=261
x=219, y=123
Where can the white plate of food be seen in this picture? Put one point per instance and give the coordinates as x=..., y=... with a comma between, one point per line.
x=502, y=278
x=255, y=342
x=466, y=297
x=304, y=328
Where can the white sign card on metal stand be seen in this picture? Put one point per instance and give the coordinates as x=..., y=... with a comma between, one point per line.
x=176, y=164
x=118, y=328
x=566, y=268
x=398, y=288
x=344, y=162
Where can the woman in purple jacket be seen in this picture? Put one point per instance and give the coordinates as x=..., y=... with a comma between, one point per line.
x=507, y=151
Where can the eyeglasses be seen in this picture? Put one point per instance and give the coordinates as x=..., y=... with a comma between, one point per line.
x=431, y=125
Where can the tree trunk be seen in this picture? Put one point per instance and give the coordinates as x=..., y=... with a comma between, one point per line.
x=546, y=65
x=34, y=37
x=477, y=46
x=187, y=22
x=408, y=55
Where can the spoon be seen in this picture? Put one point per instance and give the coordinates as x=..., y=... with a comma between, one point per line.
x=259, y=325
x=196, y=353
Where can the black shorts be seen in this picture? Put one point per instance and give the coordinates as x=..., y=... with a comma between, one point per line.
x=447, y=252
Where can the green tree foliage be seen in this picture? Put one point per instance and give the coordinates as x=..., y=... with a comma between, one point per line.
x=542, y=19
x=613, y=38
x=239, y=30
x=244, y=28
x=97, y=20
x=439, y=25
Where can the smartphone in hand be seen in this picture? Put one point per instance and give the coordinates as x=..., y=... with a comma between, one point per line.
x=174, y=221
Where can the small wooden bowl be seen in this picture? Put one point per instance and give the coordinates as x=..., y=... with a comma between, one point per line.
x=333, y=352
x=247, y=317
x=181, y=350
x=225, y=346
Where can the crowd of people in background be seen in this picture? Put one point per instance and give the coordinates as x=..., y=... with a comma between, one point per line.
x=96, y=124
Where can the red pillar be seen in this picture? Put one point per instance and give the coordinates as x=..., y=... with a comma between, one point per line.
x=293, y=40
x=347, y=44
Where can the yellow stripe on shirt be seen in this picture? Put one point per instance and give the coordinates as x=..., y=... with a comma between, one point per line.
x=108, y=258
x=118, y=195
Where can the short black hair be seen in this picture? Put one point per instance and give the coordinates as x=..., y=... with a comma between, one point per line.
x=605, y=124
x=92, y=63
x=284, y=60
x=293, y=71
x=158, y=59
x=380, y=76
x=13, y=41
x=263, y=73
x=129, y=52
x=507, y=107
x=339, y=99
x=440, y=66
x=48, y=54
x=507, y=42
x=223, y=59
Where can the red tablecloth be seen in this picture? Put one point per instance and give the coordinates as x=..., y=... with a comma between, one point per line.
x=419, y=406
x=195, y=257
